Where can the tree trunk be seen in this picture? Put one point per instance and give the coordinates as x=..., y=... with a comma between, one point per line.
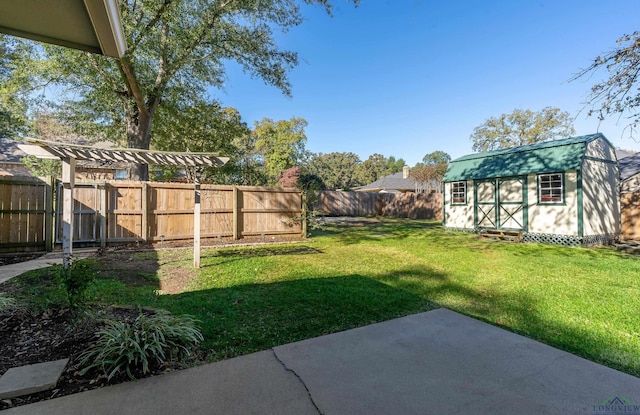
x=138, y=136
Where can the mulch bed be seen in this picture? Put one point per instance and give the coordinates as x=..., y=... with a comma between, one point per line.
x=58, y=334
x=29, y=338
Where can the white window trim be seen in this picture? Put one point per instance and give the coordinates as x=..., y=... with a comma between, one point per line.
x=453, y=193
x=551, y=202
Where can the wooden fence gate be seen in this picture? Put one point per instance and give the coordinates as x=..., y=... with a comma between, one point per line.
x=26, y=207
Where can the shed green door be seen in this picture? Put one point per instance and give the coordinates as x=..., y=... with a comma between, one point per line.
x=486, y=204
x=500, y=203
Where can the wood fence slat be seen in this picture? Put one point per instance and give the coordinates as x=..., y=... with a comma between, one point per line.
x=23, y=213
x=115, y=211
x=407, y=205
x=630, y=216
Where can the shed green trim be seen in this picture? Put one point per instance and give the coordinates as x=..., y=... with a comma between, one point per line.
x=525, y=204
x=444, y=204
x=580, y=206
x=550, y=156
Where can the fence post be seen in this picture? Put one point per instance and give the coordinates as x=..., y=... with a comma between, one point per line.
x=48, y=215
x=196, y=223
x=145, y=212
x=303, y=198
x=103, y=216
x=68, y=181
x=236, y=215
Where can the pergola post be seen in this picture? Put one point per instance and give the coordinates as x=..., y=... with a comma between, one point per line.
x=68, y=181
x=196, y=224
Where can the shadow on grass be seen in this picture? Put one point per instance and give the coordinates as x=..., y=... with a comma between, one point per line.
x=236, y=254
x=350, y=233
x=246, y=318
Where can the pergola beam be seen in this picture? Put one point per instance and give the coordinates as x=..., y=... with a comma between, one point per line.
x=70, y=153
x=50, y=149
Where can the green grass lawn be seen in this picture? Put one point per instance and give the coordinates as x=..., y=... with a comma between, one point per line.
x=585, y=301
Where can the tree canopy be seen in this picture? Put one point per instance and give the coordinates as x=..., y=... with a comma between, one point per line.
x=205, y=127
x=336, y=170
x=522, y=127
x=619, y=94
x=436, y=157
x=13, y=95
x=281, y=144
x=429, y=173
x=177, y=49
x=373, y=168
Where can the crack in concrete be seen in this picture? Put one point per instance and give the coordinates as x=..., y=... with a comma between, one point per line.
x=299, y=379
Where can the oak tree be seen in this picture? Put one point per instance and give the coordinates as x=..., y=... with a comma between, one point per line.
x=177, y=50
x=522, y=127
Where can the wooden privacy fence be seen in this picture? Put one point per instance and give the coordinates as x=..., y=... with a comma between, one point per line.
x=401, y=205
x=630, y=216
x=26, y=206
x=147, y=211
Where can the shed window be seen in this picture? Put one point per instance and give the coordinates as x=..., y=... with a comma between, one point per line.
x=550, y=188
x=459, y=193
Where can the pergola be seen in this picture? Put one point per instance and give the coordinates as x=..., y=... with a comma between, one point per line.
x=70, y=153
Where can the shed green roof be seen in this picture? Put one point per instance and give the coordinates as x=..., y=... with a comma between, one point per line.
x=548, y=157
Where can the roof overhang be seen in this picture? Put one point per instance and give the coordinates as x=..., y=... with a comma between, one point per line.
x=53, y=150
x=90, y=25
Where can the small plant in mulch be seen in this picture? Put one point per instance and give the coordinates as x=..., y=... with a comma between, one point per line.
x=136, y=347
x=76, y=280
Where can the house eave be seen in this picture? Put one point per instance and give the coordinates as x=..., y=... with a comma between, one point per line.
x=89, y=25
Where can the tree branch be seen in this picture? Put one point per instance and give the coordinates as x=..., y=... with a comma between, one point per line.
x=188, y=50
x=150, y=24
x=133, y=86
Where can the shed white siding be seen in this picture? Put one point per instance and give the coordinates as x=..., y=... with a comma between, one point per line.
x=601, y=201
x=554, y=219
x=459, y=216
x=600, y=149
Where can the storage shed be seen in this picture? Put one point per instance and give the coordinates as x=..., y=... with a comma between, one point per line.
x=562, y=191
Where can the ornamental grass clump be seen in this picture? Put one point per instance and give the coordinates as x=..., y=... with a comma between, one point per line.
x=135, y=348
x=6, y=302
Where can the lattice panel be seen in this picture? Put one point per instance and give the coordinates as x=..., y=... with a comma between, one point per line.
x=567, y=240
x=564, y=240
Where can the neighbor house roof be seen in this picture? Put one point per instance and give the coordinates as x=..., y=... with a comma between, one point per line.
x=9, y=151
x=549, y=156
x=390, y=183
x=629, y=166
x=620, y=153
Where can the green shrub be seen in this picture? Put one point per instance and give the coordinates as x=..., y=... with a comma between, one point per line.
x=77, y=279
x=6, y=302
x=134, y=347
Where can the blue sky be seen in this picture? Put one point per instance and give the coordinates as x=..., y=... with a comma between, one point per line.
x=407, y=77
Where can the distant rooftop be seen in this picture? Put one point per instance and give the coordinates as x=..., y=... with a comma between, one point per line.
x=629, y=166
x=393, y=182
